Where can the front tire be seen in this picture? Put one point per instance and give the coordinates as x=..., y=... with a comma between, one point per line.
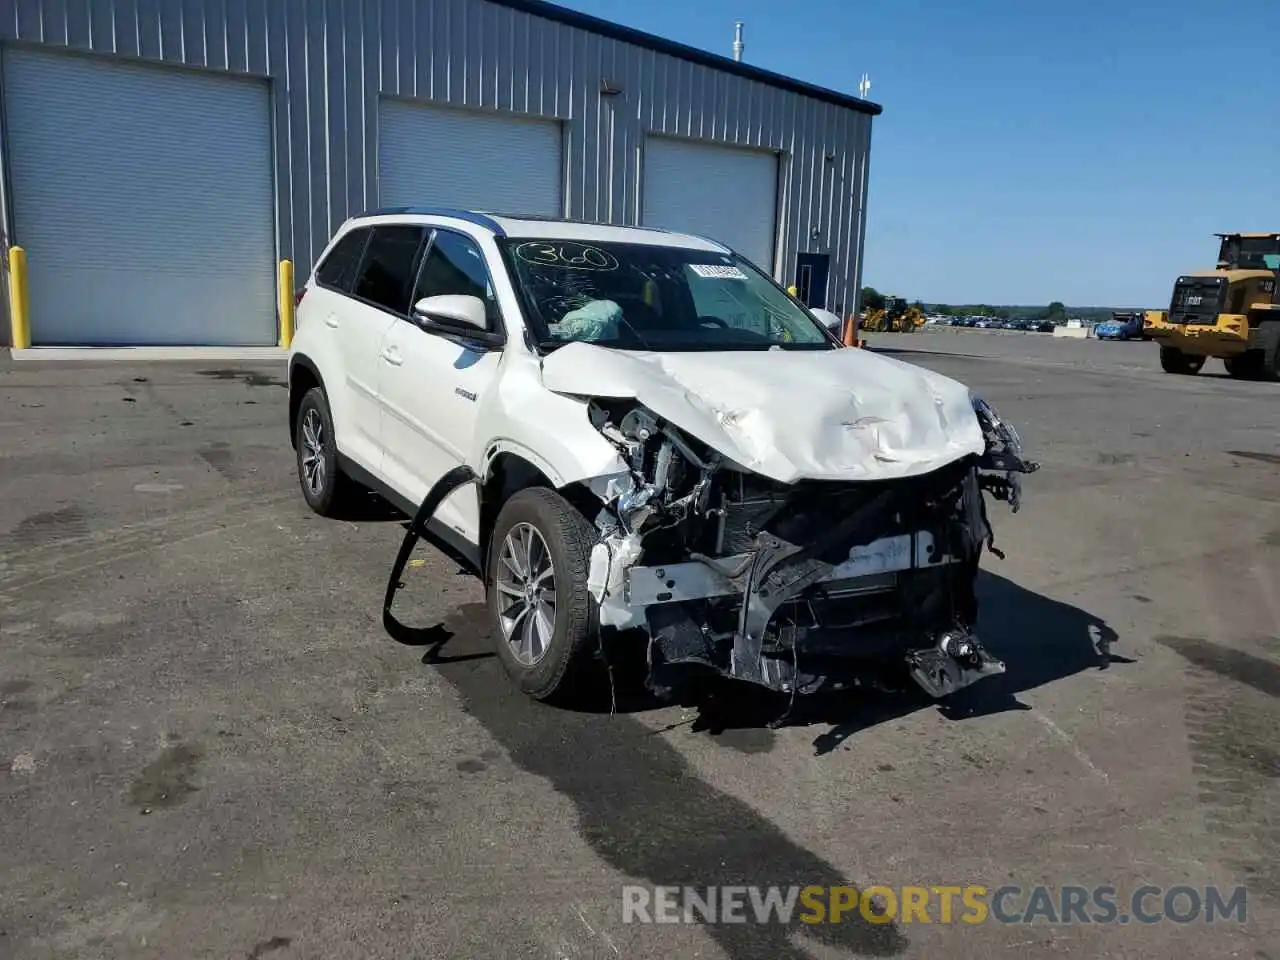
x=543, y=618
x=324, y=487
x=1173, y=360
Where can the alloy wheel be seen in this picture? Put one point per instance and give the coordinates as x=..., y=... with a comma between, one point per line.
x=526, y=588
x=313, y=469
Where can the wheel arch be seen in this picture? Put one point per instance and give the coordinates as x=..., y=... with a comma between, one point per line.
x=303, y=375
x=507, y=472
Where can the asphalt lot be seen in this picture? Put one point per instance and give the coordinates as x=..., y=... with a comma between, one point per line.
x=210, y=748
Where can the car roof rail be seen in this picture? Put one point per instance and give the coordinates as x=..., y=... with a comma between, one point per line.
x=469, y=216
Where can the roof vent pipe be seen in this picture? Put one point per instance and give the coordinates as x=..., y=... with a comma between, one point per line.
x=737, y=40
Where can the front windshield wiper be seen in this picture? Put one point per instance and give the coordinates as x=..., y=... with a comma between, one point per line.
x=694, y=346
x=555, y=343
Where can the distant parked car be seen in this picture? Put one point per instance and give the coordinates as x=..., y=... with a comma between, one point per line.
x=1045, y=326
x=1121, y=326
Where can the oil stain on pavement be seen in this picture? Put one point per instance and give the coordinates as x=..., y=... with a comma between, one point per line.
x=167, y=780
x=644, y=811
x=250, y=378
x=219, y=456
x=268, y=946
x=1262, y=675
x=1232, y=711
x=39, y=529
x=1270, y=458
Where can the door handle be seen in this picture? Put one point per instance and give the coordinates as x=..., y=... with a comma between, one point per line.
x=392, y=356
x=331, y=320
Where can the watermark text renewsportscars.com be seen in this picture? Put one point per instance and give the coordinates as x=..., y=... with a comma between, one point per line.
x=942, y=904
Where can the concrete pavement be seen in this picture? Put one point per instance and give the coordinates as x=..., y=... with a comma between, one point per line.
x=210, y=748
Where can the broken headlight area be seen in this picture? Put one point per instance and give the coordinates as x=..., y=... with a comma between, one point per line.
x=1002, y=462
x=794, y=587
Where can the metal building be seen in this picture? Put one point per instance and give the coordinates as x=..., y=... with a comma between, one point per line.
x=161, y=156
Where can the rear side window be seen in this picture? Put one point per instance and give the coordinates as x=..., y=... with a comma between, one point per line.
x=386, y=274
x=339, y=267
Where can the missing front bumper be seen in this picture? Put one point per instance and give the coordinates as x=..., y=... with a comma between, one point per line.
x=796, y=618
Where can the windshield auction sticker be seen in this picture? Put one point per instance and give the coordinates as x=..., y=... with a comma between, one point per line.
x=714, y=271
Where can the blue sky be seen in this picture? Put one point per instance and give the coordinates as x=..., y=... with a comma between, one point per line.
x=1032, y=150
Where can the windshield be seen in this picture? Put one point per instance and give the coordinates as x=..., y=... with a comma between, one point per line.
x=1250, y=253
x=649, y=297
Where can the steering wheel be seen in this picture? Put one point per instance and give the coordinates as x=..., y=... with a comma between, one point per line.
x=712, y=321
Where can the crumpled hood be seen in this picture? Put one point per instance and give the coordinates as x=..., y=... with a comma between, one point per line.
x=845, y=414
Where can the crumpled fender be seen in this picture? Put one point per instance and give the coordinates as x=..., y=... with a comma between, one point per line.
x=551, y=431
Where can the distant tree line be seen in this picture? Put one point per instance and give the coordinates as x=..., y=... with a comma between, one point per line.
x=1056, y=312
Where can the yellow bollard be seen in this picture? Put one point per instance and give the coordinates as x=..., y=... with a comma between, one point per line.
x=285, y=284
x=19, y=300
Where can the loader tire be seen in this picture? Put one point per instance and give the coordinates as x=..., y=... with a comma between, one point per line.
x=1244, y=366
x=1173, y=360
x=1270, y=365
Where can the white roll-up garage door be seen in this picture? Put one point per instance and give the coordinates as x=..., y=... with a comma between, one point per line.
x=493, y=162
x=143, y=196
x=726, y=193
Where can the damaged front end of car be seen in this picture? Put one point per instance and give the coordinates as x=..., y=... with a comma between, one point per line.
x=794, y=586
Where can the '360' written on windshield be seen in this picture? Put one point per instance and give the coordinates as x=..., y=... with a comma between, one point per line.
x=649, y=297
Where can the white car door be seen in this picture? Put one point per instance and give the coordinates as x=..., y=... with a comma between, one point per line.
x=346, y=348
x=378, y=291
x=432, y=384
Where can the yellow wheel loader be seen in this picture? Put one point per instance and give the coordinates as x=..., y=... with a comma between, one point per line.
x=1231, y=312
x=896, y=317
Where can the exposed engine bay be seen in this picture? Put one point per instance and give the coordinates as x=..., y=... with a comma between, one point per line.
x=794, y=586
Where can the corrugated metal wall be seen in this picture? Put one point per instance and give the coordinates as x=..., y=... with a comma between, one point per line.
x=330, y=60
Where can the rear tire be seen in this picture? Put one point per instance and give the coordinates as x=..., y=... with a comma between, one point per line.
x=1269, y=362
x=543, y=619
x=1173, y=360
x=325, y=488
x=1244, y=366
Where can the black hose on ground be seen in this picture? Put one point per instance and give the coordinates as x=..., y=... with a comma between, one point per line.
x=451, y=481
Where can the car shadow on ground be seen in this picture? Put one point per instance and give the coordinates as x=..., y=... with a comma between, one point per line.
x=365, y=506
x=1039, y=639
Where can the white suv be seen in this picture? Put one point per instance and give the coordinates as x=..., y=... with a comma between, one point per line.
x=636, y=436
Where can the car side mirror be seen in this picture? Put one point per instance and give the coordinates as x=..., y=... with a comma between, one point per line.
x=829, y=320
x=453, y=310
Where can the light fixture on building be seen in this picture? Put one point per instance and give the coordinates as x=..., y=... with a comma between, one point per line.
x=608, y=88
